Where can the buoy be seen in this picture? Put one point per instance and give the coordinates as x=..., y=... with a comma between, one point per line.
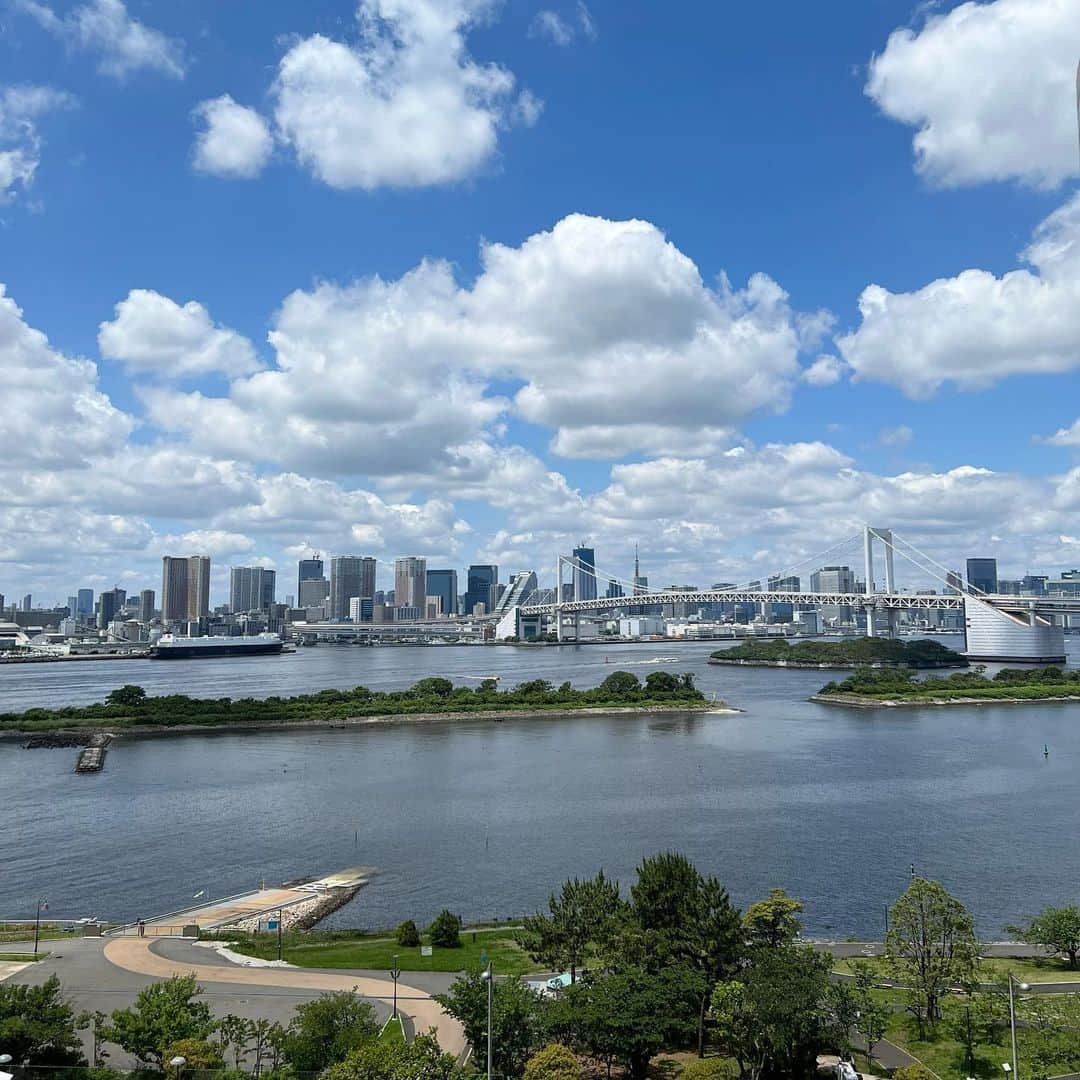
x=1046, y=750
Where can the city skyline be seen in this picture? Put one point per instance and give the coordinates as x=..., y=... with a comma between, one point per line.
x=327, y=347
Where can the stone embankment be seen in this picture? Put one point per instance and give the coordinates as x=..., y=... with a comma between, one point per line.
x=302, y=915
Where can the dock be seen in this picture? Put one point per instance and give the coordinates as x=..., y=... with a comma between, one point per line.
x=91, y=758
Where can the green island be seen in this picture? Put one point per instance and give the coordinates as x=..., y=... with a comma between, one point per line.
x=854, y=652
x=131, y=708
x=900, y=687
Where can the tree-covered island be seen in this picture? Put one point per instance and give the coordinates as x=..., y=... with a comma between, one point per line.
x=130, y=707
x=853, y=652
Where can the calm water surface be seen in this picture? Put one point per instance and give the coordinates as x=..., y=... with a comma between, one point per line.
x=486, y=818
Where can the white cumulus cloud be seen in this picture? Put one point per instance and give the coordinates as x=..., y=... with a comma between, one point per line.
x=990, y=88
x=975, y=329
x=406, y=107
x=235, y=141
x=20, y=142
x=104, y=27
x=152, y=333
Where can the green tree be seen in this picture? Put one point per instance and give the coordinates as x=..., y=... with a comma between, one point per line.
x=686, y=919
x=773, y=922
x=619, y=684
x=397, y=1061
x=931, y=945
x=630, y=1015
x=128, y=695
x=445, y=930
x=264, y=1034
x=326, y=1030
x=517, y=1019
x=661, y=682
x=237, y=1032
x=581, y=916
x=198, y=1054
x=871, y=1015
x=913, y=1072
x=1057, y=928
x=781, y=1013
x=433, y=687
x=37, y=1026
x=407, y=935
x=163, y=1014
x=554, y=1062
x=710, y=1069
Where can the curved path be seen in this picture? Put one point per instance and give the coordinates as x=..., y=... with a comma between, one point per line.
x=135, y=954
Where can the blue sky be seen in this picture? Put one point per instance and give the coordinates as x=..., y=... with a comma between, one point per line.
x=580, y=377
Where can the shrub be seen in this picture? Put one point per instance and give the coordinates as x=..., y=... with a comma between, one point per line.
x=554, y=1062
x=913, y=1072
x=445, y=931
x=407, y=935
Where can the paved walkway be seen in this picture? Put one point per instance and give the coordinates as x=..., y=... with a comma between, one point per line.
x=137, y=955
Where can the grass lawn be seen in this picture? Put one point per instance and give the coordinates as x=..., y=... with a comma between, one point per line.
x=994, y=969
x=21, y=957
x=392, y=1032
x=377, y=953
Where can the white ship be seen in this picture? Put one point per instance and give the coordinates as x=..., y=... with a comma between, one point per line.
x=171, y=647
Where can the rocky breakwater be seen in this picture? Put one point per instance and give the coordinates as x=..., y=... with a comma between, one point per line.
x=94, y=746
x=302, y=914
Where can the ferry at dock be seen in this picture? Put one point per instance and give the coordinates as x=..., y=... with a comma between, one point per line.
x=171, y=647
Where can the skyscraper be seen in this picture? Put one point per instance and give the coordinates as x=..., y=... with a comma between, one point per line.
x=308, y=570
x=174, y=590
x=146, y=605
x=982, y=575
x=442, y=584
x=410, y=583
x=86, y=602
x=73, y=607
x=313, y=592
x=584, y=573
x=198, y=587
x=106, y=609
x=350, y=575
x=480, y=580
x=251, y=588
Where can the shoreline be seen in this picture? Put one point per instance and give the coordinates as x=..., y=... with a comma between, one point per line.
x=854, y=665
x=856, y=701
x=381, y=719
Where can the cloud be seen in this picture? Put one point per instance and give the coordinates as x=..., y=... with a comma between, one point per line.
x=605, y=328
x=895, y=437
x=975, y=329
x=406, y=107
x=563, y=31
x=20, y=143
x=824, y=371
x=153, y=334
x=1066, y=436
x=990, y=88
x=235, y=143
x=123, y=44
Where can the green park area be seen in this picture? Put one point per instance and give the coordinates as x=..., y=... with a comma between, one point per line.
x=854, y=652
x=132, y=707
x=1009, y=684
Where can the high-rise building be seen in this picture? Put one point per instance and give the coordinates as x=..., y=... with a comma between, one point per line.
x=313, y=591
x=350, y=575
x=442, y=584
x=614, y=590
x=73, y=607
x=1, y=606
x=107, y=609
x=198, y=587
x=410, y=583
x=584, y=562
x=146, y=605
x=480, y=580
x=251, y=588
x=1034, y=584
x=85, y=603
x=954, y=583
x=27, y=602
x=982, y=575
x=174, y=590
x=834, y=579
x=520, y=591
x=308, y=570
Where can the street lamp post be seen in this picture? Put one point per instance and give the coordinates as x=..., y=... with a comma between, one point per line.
x=42, y=903
x=395, y=972
x=178, y=1064
x=490, y=981
x=1012, y=1023
x=279, y=933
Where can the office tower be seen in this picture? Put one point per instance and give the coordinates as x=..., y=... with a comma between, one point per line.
x=174, y=590
x=1, y=606
x=410, y=583
x=480, y=578
x=72, y=603
x=584, y=573
x=982, y=575
x=614, y=590
x=350, y=575
x=251, y=588
x=27, y=602
x=106, y=609
x=86, y=603
x=834, y=579
x=119, y=597
x=198, y=587
x=313, y=591
x=519, y=592
x=146, y=605
x=442, y=584
x=308, y=570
